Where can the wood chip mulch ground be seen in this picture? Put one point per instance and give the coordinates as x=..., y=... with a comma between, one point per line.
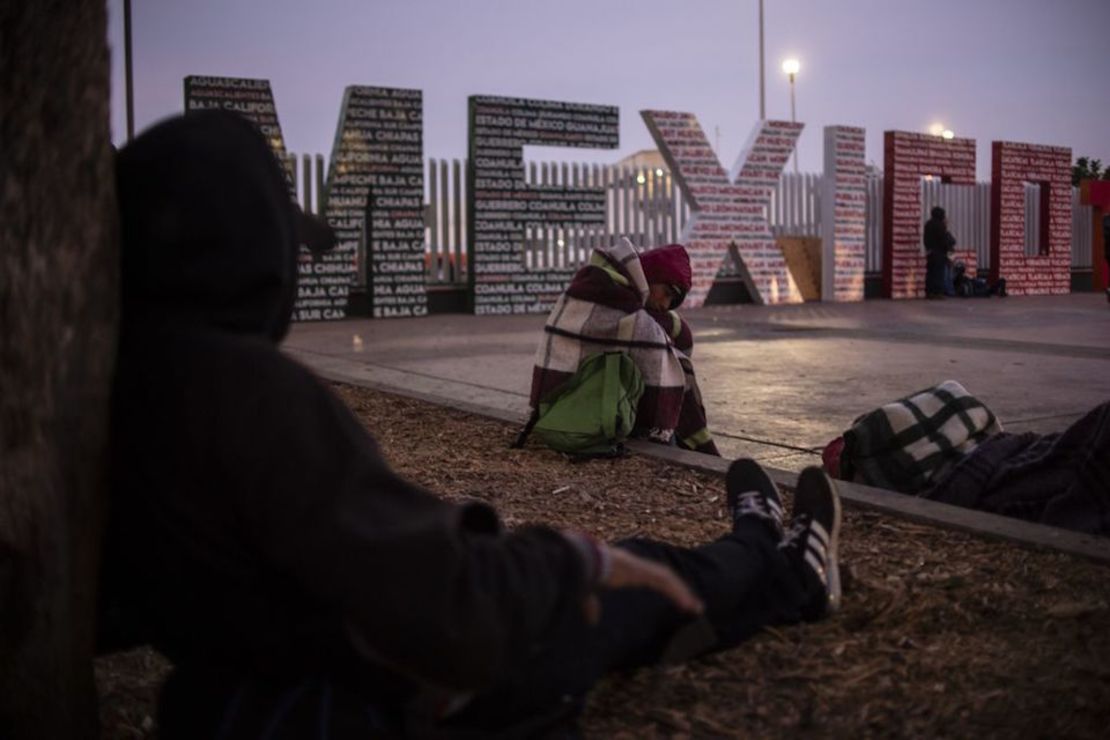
x=941, y=633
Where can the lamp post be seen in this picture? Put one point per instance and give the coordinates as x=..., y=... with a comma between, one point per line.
x=762, y=97
x=791, y=67
x=127, y=69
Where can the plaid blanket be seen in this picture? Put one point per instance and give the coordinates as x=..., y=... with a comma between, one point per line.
x=603, y=309
x=905, y=445
x=1059, y=479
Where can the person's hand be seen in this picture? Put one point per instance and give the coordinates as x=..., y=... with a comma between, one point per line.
x=630, y=571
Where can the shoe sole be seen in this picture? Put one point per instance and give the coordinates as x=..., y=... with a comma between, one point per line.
x=746, y=474
x=816, y=480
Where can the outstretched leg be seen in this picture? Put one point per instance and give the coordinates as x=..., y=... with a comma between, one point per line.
x=747, y=579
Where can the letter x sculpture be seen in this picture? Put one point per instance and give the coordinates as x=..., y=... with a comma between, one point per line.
x=729, y=210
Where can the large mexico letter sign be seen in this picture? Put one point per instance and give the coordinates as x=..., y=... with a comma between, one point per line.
x=501, y=204
x=1012, y=165
x=375, y=196
x=728, y=210
x=377, y=165
x=907, y=158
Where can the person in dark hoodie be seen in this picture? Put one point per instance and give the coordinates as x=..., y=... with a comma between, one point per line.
x=299, y=586
x=939, y=243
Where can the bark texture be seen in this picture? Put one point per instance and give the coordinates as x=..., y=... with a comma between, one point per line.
x=58, y=316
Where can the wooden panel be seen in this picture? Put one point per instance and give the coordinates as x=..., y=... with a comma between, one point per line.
x=803, y=259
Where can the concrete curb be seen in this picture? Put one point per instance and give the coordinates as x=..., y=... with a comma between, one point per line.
x=912, y=508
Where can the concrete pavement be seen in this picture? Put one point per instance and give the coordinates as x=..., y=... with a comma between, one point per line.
x=778, y=382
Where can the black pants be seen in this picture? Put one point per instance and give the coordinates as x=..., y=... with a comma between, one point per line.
x=743, y=578
x=936, y=266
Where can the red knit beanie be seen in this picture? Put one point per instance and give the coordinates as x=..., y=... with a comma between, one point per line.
x=669, y=265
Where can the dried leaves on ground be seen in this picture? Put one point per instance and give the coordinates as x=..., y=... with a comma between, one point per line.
x=941, y=633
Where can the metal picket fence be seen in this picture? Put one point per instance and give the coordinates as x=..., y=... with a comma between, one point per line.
x=969, y=218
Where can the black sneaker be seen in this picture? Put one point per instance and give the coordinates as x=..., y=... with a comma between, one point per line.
x=813, y=538
x=752, y=493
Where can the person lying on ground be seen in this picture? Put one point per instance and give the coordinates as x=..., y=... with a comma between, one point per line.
x=975, y=287
x=299, y=586
x=623, y=300
x=943, y=444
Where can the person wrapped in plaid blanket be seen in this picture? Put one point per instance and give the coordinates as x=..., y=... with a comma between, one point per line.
x=623, y=299
x=943, y=444
x=909, y=444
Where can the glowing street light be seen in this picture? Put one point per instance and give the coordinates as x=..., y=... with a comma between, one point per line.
x=791, y=68
x=938, y=129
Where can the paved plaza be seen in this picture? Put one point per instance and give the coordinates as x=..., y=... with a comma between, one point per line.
x=778, y=382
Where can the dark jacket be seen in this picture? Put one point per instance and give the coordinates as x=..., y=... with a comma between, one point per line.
x=254, y=524
x=1058, y=479
x=937, y=239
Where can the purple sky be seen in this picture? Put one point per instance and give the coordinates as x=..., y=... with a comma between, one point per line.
x=1036, y=71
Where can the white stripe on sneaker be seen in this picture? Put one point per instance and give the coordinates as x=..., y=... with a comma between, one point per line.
x=818, y=529
x=817, y=565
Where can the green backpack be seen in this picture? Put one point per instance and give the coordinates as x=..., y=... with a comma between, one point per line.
x=593, y=411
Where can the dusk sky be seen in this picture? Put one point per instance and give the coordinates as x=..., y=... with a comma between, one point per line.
x=1034, y=71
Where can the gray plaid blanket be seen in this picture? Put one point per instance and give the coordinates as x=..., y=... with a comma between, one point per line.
x=906, y=445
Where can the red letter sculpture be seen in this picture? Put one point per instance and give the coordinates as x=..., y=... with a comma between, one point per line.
x=907, y=158
x=1012, y=165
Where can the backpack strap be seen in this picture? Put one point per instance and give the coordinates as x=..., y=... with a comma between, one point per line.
x=523, y=436
x=610, y=392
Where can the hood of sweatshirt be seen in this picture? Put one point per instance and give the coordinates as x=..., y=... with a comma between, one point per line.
x=210, y=234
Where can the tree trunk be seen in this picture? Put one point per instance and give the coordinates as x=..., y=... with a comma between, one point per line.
x=58, y=317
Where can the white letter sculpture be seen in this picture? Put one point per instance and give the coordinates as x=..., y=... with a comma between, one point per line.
x=843, y=215
x=727, y=210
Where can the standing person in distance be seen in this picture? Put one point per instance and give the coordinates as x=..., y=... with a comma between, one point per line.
x=939, y=243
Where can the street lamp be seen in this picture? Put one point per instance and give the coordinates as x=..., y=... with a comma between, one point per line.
x=762, y=97
x=791, y=67
x=127, y=69
x=938, y=129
